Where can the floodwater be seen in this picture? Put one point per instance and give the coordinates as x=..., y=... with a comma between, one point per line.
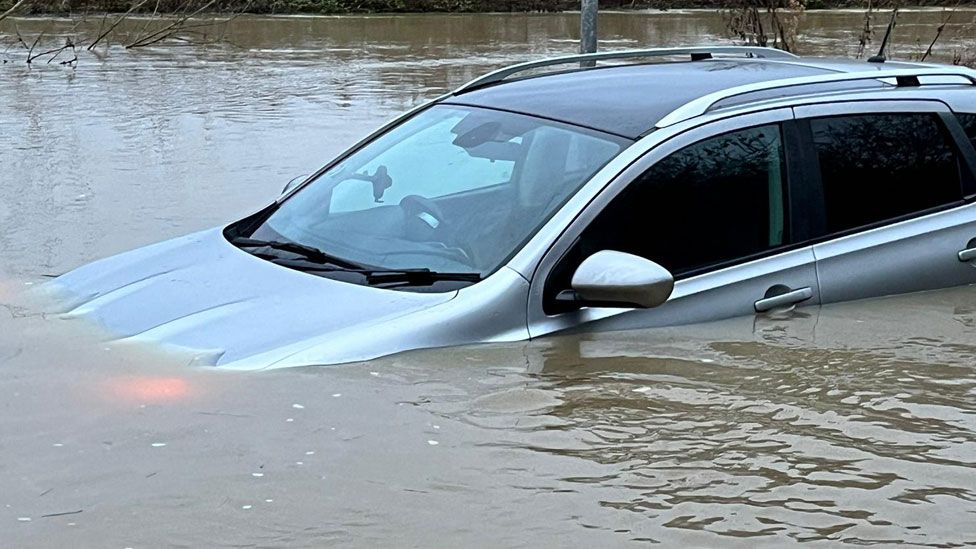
x=848, y=424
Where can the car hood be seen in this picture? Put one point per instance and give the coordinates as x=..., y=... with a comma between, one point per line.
x=201, y=293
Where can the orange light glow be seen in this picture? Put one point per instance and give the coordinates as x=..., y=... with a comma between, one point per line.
x=150, y=389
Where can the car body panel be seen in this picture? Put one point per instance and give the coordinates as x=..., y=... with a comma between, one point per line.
x=201, y=293
x=913, y=255
x=725, y=293
x=959, y=100
x=491, y=311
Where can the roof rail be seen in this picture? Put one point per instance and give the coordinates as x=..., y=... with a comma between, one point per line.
x=696, y=53
x=904, y=78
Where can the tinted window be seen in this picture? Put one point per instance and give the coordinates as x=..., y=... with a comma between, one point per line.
x=969, y=123
x=879, y=167
x=714, y=202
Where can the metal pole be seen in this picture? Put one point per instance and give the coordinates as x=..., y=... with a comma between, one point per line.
x=588, y=12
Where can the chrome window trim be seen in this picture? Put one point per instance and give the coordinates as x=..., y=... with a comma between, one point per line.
x=898, y=228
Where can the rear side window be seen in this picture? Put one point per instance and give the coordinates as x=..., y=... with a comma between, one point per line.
x=969, y=124
x=880, y=167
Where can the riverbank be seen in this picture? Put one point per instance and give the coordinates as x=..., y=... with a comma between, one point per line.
x=61, y=7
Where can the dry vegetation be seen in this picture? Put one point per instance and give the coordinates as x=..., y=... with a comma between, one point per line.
x=775, y=23
x=192, y=21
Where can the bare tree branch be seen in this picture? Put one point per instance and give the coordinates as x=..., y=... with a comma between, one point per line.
x=168, y=30
x=115, y=24
x=12, y=9
x=867, y=31
x=37, y=39
x=938, y=32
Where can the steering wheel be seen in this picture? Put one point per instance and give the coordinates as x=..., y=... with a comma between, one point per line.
x=424, y=221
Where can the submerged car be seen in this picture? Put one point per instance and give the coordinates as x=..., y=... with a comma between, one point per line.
x=594, y=192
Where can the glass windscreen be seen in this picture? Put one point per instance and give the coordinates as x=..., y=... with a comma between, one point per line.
x=453, y=189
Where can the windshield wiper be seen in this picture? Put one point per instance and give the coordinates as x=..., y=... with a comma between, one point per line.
x=412, y=277
x=416, y=277
x=314, y=255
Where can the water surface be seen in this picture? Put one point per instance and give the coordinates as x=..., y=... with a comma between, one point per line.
x=850, y=424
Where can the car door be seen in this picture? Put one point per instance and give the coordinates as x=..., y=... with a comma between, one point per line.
x=892, y=216
x=712, y=206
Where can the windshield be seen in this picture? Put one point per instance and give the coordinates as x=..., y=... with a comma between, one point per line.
x=452, y=190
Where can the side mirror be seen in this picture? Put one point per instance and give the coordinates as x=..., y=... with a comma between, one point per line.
x=618, y=279
x=294, y=183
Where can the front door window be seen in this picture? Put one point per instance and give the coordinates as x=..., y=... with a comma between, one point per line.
x=714, y=203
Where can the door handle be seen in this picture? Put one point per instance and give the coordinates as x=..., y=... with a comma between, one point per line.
x=967, y=255
x=782, y=300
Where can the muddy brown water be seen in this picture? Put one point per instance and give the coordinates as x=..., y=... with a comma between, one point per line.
x=848, y=424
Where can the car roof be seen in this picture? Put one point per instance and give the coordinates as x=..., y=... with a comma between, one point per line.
x=628, y=100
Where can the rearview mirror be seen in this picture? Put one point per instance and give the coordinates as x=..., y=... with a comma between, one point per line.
x=294, y=183
x=610, y=278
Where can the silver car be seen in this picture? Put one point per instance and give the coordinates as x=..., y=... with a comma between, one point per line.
x=595, y=192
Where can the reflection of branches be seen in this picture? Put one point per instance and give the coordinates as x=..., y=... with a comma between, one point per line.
x=969, y=125
x=891, y=143
x=750, y=149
